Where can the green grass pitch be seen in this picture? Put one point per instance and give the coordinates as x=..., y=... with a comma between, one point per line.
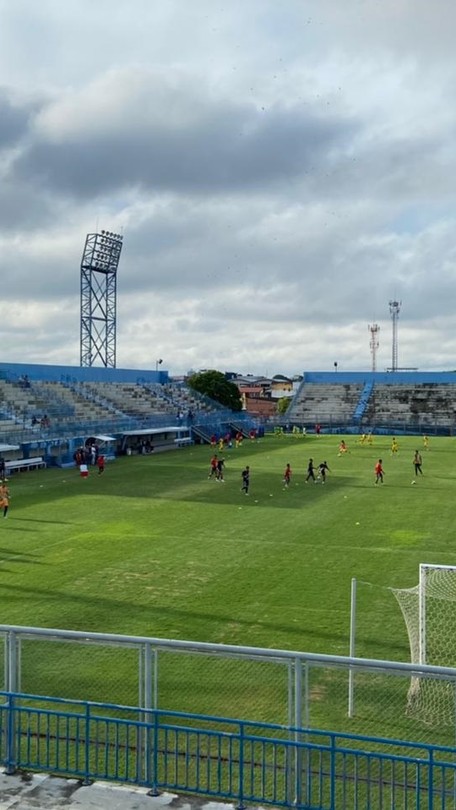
x=154, y=548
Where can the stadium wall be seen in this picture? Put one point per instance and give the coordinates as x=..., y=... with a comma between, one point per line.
x=380, y=377
x=77, y=374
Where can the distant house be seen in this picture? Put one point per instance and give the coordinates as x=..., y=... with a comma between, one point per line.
x=281, y=386
x=256, y=395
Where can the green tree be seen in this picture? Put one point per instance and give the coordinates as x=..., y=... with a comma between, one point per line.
x=215, y=385
x=282, y=405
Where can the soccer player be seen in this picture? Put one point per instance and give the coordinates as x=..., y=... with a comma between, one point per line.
x=342, y=447
x=417, y=462
x=426, y=442
x=213, y=469
x=311, y=471
x=219, y=473
x=4, y=499
x=287, y=475
x=379, y=471
x=245, y=480
x=322, y=469
x=394, y=446
x=101, y=464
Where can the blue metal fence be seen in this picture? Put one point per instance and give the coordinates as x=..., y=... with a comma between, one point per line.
x=223, y=758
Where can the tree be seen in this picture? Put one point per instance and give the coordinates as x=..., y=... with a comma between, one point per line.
x=215, y=385
x=282, y=405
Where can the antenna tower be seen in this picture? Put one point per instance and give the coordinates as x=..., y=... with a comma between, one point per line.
x=99, y=263
x=395, y=308
x=374, y=329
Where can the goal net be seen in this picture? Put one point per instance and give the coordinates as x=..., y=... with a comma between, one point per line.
x=429, y=611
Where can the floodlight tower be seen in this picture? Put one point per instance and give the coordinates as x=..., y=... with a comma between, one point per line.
x=99, y=263
x=395, y=308
x=374, y=329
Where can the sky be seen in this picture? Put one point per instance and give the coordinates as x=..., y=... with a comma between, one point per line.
x=280, y=172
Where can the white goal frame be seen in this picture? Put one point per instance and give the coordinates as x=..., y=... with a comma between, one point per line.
x=424, y=569
x=427, y=586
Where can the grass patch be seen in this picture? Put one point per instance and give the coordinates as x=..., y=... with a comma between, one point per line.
x=154, y=548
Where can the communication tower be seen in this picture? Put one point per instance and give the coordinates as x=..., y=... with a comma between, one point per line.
x=374, y=329
x=99, y=263
x=395, y=308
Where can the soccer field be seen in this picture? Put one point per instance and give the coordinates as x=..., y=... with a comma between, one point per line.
x=153, y=547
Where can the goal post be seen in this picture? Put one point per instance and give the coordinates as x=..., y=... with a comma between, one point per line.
x=429, y=612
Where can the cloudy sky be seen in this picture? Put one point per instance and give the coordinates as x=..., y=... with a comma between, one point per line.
x=280, y=171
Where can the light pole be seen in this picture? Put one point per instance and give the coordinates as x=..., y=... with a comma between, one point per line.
x=158, y=363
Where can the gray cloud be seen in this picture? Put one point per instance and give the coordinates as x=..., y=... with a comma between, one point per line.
x=280, y=173
x=228, y=148
x=14, y=119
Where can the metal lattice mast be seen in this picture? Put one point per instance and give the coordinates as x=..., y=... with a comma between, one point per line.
x=374, y=329
x=395, y=308
x=99, y=264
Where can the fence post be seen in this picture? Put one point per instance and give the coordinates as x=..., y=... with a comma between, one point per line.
x=10, y=752
x=154, y=776
x=332, y=774
x=147, y=690
x=87, y=780
x=11, y=683
x=297, y=734
x=291, y=723
x=241, y=805
x=11, y=673
x=351, y=685
x=431, y=779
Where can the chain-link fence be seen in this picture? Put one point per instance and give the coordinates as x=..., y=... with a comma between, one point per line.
x=304, y=690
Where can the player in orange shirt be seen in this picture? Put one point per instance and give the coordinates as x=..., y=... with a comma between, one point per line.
x=379, y=471
x=287, y=476
x=4, y=499
x=213, y=469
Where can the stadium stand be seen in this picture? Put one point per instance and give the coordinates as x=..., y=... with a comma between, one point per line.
x=83, y=402
x=324, y=402
x=430, y=404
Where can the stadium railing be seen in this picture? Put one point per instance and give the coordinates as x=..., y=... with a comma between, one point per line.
x=222, y=758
